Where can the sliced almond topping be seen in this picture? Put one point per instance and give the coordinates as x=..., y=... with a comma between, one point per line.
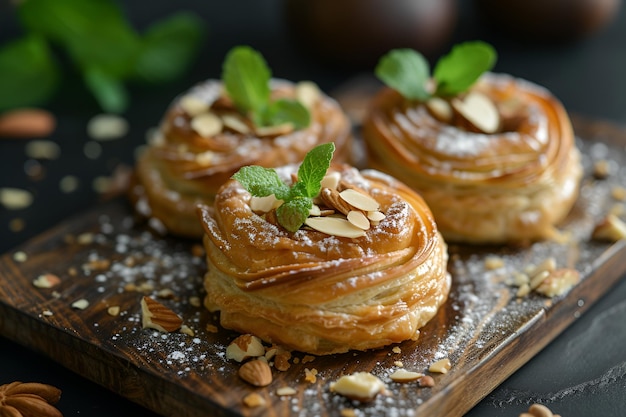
x=307, y=93
x=254, y=400
x=376, y=216
x=256, y=372
x=402, y=375
x=538, y=279
x=277, y=130
x=440, y=109
x=244, y=347
x=331, y=180
x=236, y=123
x=207, y=124
x=359, y=200
x=156, y=316
x=315, y=210
x=442, y=366
x=335, y=226
x=264, y=204
x=46, y=281
x=361, y=386
x=193, y=106
x=285, y=391
x=113, y=311
x=15, y=198
x=80, y=304
x=358, y=219
x=478, y=111
x=610, y=229
x=205, y=158
x=332, y=199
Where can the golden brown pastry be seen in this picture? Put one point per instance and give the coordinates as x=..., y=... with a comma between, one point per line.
x=325, y=293
x=203, y=140
x=488, y=177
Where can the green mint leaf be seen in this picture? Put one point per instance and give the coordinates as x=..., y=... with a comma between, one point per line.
x=246, y=78
x=169, y=46
x=285, y=111
x=313, y=168
x=292, y=214
x=457, y=71
x=108, y=91
x=406, y=71
x=261, y=182
x=94, y=33
x=29, y=73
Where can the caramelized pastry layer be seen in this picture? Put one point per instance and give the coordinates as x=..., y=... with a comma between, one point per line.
x=512, y=185
x=317, y=292
x=194, y=154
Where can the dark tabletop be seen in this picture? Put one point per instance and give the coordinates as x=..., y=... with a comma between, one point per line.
x=581, y=374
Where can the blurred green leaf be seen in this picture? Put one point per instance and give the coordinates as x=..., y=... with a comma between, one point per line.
x=169, y=47
x=29, y=73
x=108, y=91
x=95, y=33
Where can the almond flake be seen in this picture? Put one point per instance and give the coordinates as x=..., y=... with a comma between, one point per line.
x=361, y=386
x=104, y=127
x=254, y=400
x=46, y=281
x=610, y=229
x=440, y=109
x=479, y=111
x=359, y=200
x=236, y=123
x=205, y=158
x=442, y=366
x=42, y=149
x=277, y=130
x=207, y=124
x=156, y=316
x=307, y=93
x=358, y=219
x=193, y=106
x=184, y=329
x=244, y=347
x=15, y=198
x=195, y=301
x=402, y=375
x=264, y=204
x=558, y=282
x=376, y=216
x=80, y=304
x=331, y=180
x=335, y=226
x=285, y=391
x=113, y=311
x=315, y=210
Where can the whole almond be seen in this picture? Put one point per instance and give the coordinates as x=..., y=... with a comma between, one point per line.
x=26, y=123
x=256, y=372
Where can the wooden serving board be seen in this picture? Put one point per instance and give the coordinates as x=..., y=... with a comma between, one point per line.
x=107, y=258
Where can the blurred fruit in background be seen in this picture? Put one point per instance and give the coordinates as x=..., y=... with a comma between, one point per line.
x=355, y=33
x=548, y=20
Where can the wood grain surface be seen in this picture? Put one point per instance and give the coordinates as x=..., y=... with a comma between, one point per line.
x=109, y=259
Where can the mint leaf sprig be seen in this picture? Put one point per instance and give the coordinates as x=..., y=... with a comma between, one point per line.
x=408, y=72
x=100, y=45
x=246, y=77
x=297, y=198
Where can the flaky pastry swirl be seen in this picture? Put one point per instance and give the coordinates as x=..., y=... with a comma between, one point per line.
x=183, y=168
x=514, y=185
x=319, y=293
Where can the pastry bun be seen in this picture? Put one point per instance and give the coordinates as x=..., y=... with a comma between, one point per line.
x=202, y=141
x=512, y=185
x=321, y=293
